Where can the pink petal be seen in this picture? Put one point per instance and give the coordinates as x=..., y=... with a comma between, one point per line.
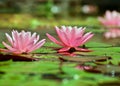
x=33, y=35
x=64, y=49
x=62, y=36
x=8, y=46
x=37, y=38
x=78, y=37
x=108, y=15
x=27, y=39
x=67, y=30
x=9, y=39
x=115, y=14
x=70, y=35
x=54, y=40
x=9, y=51
x=36, y=46
x=67, y=38
x=80, y=41
x=19, y=41
x=80, y=31
x=4, y=50
x=86, y=37
x=15, y=36
x=23, y=40
x=83, y=50
x=33, y=39
x=63, y=28
x=73, y=35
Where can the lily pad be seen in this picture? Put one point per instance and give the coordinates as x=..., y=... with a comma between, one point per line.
x=85, y=58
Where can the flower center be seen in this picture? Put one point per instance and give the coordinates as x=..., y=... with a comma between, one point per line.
x=72, y=49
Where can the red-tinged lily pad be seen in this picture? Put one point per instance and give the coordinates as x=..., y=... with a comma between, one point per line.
x=106, y=69
x=85, y=58
x=87, y=68
x=5, y=57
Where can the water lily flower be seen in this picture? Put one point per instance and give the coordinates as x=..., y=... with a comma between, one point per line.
x=22, y=42
x=110, y=19
x=70, y=38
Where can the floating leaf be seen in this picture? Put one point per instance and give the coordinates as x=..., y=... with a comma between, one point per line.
x=85, y=58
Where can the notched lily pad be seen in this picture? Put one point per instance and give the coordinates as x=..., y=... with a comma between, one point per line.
x=85, y=58
x=5, y=57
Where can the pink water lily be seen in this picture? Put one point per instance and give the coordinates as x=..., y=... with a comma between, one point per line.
x=22, y=42
x=70, y=38
x=111, y=19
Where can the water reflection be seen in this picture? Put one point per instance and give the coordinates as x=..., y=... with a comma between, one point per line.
x=105, y=69
x=100, y=38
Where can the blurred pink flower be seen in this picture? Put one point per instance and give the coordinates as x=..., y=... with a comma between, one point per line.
x=110, y=19
x=70, y=38
x=23, y=42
